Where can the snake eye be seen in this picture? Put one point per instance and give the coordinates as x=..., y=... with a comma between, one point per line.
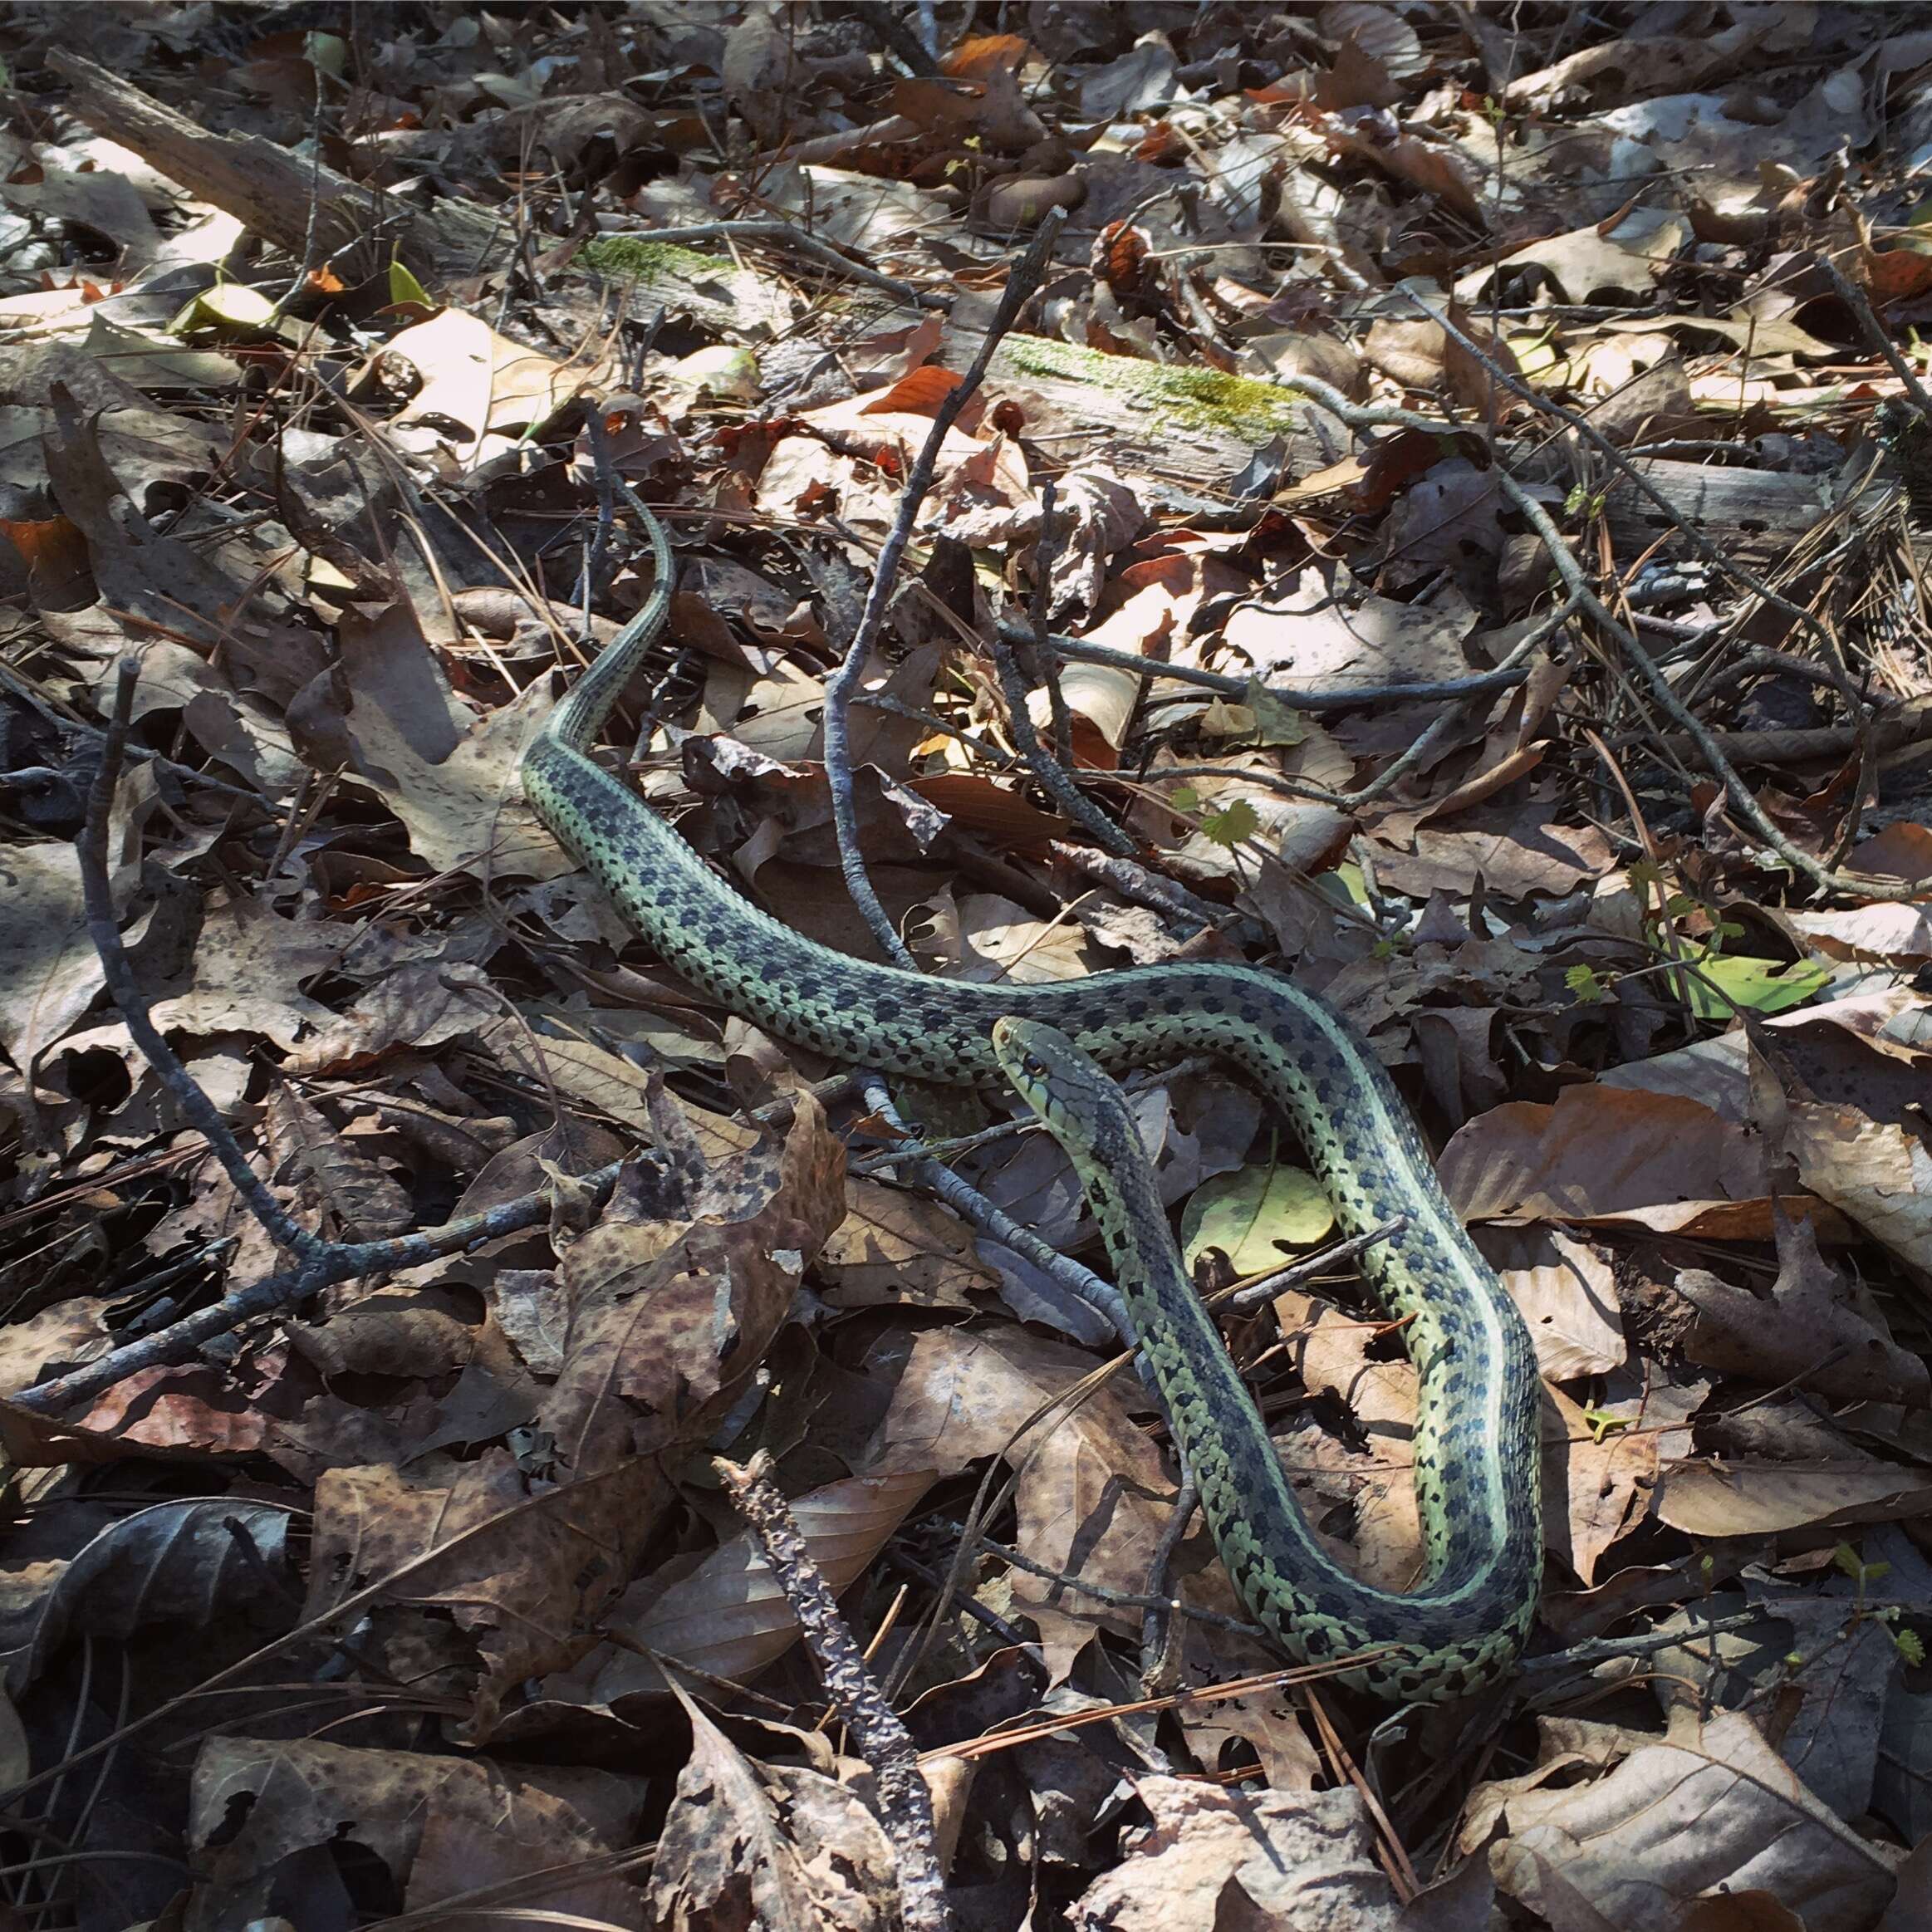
x=1034, y=1065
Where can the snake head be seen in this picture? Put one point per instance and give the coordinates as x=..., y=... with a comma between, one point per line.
x=1061, y=1081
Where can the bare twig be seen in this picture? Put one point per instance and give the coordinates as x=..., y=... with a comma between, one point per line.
x=104, y=929
x=800, y=242
x=844, y=682
x=905, y=1801
x=1342, y=698
x=1139, y=886
x=973, y=1207
x=335, y=1262
x=1741, y=800
x=1855, y=299
x=1052, y=774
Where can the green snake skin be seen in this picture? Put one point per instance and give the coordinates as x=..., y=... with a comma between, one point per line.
x=1476, y=1453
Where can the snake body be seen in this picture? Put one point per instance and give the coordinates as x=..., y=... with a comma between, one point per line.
x=1476, y=1452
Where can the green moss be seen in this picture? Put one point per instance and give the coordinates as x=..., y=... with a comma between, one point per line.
x=635, y=257
x=1252, y=411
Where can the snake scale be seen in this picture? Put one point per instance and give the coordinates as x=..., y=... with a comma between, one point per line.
x=1476, y=1434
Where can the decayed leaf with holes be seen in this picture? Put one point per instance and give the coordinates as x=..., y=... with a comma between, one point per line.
x=267, y=1817
x=365, y=1202
x=665, y=1318
x=250, y=966
x=1359, y=1500
x=472, y=384
x=747, y=1844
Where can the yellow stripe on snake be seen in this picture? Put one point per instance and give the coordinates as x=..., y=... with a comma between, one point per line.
x=1476, y=1434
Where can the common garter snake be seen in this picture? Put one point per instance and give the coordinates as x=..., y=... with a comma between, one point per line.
x=1476, y=1451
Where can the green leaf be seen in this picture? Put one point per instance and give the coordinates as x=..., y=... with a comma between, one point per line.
x=1909, y=1646
x=1232, y=823
x=1766, y=986
x=1246, y=1214
x=1183, y=798
x=1586, y=985
x=231, y=307
x=1346, y=883
x=404, y=286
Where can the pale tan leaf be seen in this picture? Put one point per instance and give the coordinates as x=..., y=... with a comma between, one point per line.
x=49, y=972
x=1735, y=1497
x=1878, y=1174
x=1213, y=1858
x=1600, y=1485
x=895, y=1247
x=1568, y=1294
x=1087, y=1480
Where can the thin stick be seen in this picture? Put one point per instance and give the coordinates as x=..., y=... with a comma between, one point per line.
x=104, y=929
x=1743, y=800
x=844, y=682
x=906, y=1800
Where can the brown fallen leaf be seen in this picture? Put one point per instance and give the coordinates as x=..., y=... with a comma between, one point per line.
x=1711, y=1811
x=1212, y=1858
x=1736, y=1498
x=665, y=1320
x=1361, y=1503
x=729, y=1616
x=1603, y=1153
x=1086, y=1481
x=49, y=971
x=901, y=1249
x=747, y=1844
x=1809, y=1328
x=263, y=1814
x=1601, y=1472
x=1568, y=1294
x=1876, y=1173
